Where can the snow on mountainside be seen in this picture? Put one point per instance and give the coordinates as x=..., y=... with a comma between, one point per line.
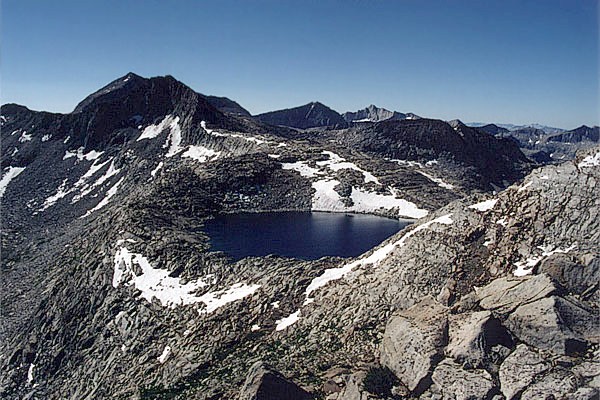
x=110, y=289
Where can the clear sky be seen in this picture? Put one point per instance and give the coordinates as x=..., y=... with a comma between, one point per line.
x=477, y=60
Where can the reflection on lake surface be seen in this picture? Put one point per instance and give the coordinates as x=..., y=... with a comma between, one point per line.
x=303, y=235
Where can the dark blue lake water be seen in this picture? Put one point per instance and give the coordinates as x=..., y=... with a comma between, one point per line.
x=303, y=235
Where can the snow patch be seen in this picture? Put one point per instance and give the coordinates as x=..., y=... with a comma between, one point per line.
x=418, y=168
x=255, y=328
x=109, y=194
x=254, y=139
x=60, y=193
x=439, y=181
x=336, y=163
x=214, y=300
x=91, y=155
x=173, y=142
x=502, y=221
x=25, y=137
x=524, y=187
x=9, y=174
x=165, y=355
x=87, y=188
x=152, y=131
x=30, y=373
x=302, y=167
x=327, y=199
x=484, y=205
x=157, y=283
x=526, y=267
x=155, y=170
x=592, y=160
x=201, y=153
x=46, y=137
x=287, y=321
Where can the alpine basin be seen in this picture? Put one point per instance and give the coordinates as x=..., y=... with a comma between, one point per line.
x=302, y=235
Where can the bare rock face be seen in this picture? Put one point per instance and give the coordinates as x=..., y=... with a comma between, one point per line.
x=557, y=384
x=505, y=294
x=520, y=369
x=454, y=382
x=552, y=324
x=472, y=335
x=413, y=342
x=264, y=383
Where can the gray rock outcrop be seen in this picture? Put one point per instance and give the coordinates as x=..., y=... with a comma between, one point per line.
x=264, y=383
x=413, y=342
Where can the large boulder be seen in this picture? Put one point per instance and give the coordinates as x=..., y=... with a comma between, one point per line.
x=556, y=384
x=264, y=383
x=579, y=275
x=505, y=294
x=553, y=323
x=454, y=382
x=519, y=370
x=471, y=335
x=413, y=342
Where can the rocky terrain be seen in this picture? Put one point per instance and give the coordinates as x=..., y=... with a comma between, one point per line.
x=375, y=114
x=110, y=290
x=548, y=145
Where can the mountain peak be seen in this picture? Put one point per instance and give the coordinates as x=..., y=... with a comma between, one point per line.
x=372, y=113
x=311, y=115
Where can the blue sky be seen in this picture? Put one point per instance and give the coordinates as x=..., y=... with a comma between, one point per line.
x=501, y=61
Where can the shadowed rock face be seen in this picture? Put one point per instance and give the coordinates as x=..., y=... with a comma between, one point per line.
x=228, y=106
x=310, y=115
x=109, y=289
x=264, y=383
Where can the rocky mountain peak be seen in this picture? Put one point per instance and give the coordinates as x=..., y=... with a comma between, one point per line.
x=372, y=113
x=131, y=101
x=311, y=115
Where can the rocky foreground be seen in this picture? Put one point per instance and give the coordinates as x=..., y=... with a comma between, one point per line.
x=109, y=289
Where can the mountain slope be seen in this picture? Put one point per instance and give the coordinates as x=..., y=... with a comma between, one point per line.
x=226, y=105
x=311, y=115
x=482, y=159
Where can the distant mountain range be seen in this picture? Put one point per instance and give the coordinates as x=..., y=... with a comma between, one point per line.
x=513, y=127
x=545, y=147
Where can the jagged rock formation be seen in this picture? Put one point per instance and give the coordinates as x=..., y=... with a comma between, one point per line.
x=311, y=115
x=110, y=290
x=375, y=114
